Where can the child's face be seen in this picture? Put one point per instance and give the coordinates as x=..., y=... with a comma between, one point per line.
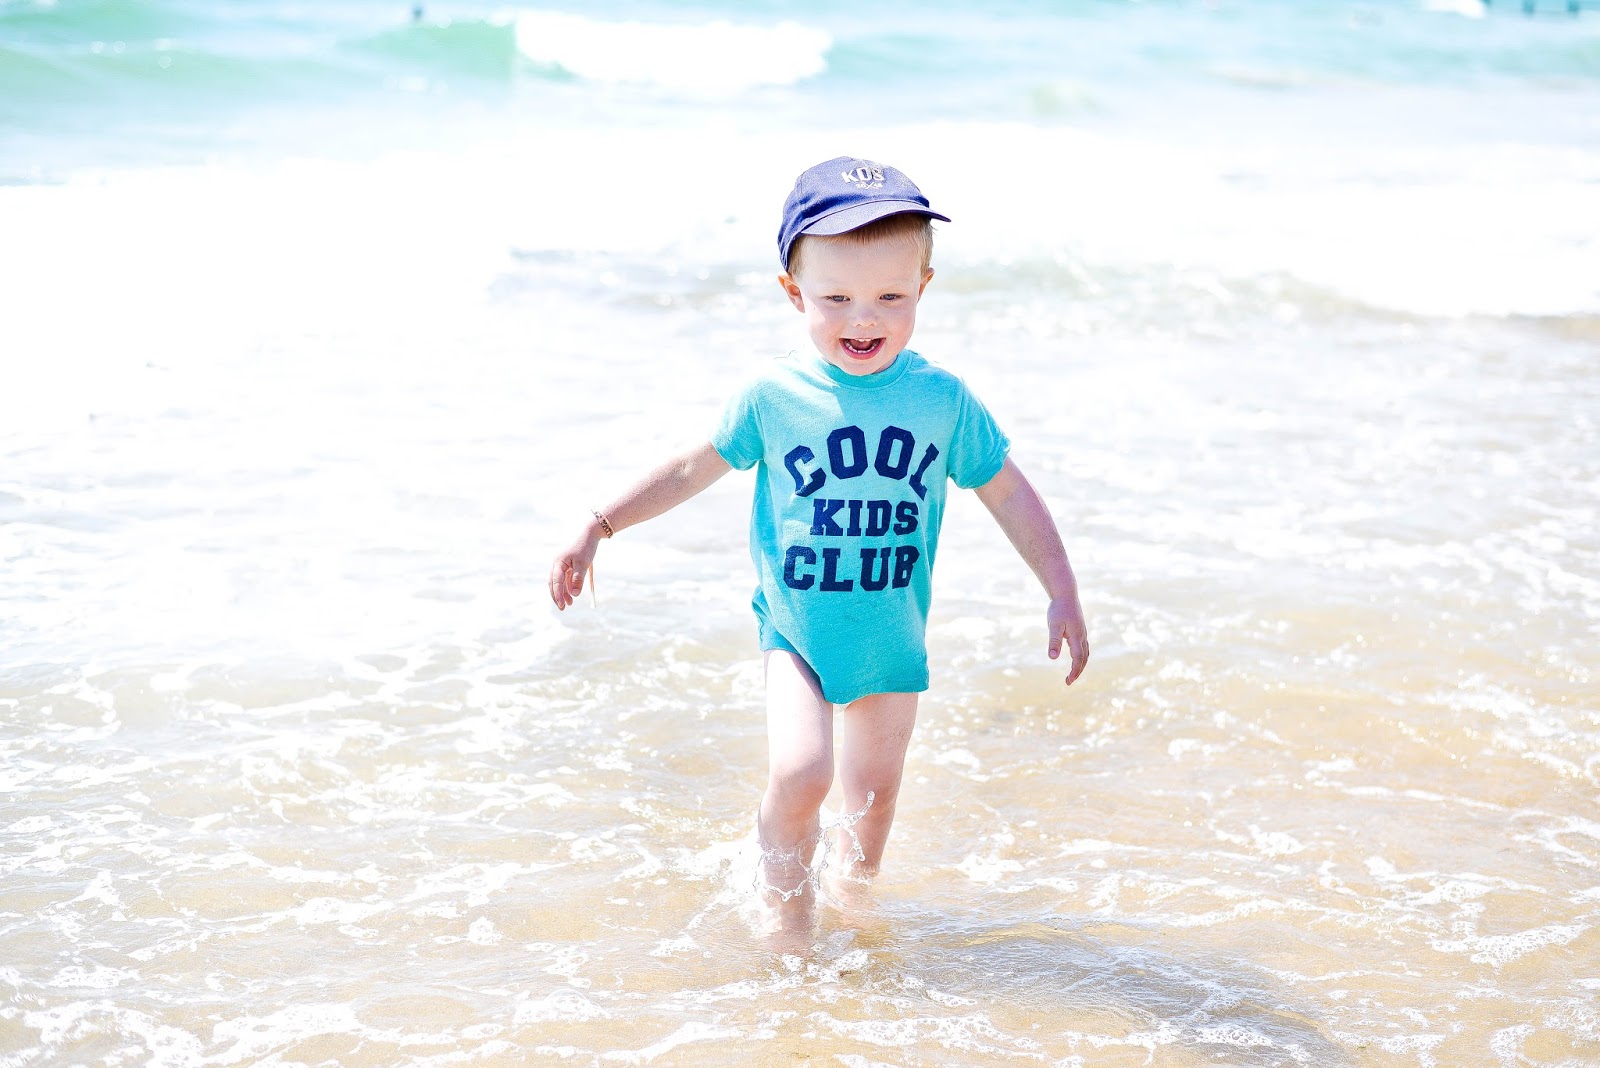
x=859, y=300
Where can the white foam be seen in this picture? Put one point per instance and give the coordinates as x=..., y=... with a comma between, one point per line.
x=715, y=57
x=1275, y=843
x=987, y=869
x=689, y=1033
x=1081, y=846
x=1471, y=9
x=671, y=947
x=321, y=910
x=100, y=977
x=1421, y=229
x=254, y=1036
x=100, y=890
x=1497, y=950
x=482, y=932
x=559, y=1005
x=1233, y=1035
x=474, y=884
x=167, y=1046
x=1507, y=1042
x=1421, y=1046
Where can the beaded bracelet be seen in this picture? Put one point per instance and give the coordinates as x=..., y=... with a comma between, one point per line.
x=605, y=524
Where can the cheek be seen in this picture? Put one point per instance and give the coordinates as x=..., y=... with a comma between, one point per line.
x=825, y=316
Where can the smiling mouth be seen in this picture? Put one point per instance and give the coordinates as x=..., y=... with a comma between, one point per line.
x=862, y=348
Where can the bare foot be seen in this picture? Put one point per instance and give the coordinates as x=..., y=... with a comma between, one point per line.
x=850, y=892
x=789, y=927
x=787, y=892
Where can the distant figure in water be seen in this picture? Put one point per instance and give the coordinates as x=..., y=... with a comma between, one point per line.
x=853, y=445
x=416, y=12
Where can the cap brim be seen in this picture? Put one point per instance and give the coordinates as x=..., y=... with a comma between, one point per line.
x=858, y=215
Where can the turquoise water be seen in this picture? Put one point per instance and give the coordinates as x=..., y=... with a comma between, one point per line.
x=142, y=80
x=320, y=324
x=1482, y=115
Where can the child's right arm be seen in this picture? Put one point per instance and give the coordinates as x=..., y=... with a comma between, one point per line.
x=661, y=490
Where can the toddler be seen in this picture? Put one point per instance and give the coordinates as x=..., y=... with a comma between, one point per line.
x=853, y=445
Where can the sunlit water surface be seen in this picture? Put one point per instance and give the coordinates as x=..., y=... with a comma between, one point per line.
x=298, y=766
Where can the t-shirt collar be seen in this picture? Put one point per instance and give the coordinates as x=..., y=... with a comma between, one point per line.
x=886, y=377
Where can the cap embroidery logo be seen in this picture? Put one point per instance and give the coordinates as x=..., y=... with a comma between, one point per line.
x=864, y=177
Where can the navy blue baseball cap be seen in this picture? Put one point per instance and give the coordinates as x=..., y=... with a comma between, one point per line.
x=846, y=194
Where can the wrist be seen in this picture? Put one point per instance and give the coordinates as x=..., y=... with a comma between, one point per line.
x=600, y=526
x=1061, y=586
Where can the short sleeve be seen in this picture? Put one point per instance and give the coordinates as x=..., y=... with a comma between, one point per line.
x=978, y=446
x=737, y=437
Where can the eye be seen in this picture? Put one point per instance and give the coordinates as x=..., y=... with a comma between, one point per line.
x=836, y=299
x=891, y=296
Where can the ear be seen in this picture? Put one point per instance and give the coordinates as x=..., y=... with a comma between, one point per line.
x=927, y=276
x=791, y=289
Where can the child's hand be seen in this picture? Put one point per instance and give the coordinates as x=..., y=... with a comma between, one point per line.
x=570, y=569
x=1065, y=620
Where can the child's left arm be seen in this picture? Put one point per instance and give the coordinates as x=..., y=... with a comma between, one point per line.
x=1022, y=514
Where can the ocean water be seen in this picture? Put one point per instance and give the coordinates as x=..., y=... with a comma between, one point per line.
x=322, y=324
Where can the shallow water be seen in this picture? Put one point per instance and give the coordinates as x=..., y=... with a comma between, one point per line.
x=298, y=767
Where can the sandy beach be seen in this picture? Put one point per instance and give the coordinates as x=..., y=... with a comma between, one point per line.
x=313, y=351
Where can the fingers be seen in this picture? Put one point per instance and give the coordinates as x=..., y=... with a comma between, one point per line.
x=558, y=585
x=1070, y=632
x=1080, y=658
x=1078, y=647
x=566, y=581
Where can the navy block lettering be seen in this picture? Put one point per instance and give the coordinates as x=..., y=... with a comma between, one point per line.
x=916, y=480
x=791, y=572
x=875, y=568
x=887, y=464
x=877, y=518
x=822, y=522
x=831, y=583
x=905, y=561
x=854, y=530
x=905, y=517
x=806, y=485
x=857, y=441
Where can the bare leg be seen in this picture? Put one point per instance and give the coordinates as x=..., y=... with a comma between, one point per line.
x=799, y=775
x=874, y=735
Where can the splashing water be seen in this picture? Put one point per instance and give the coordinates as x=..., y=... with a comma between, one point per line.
x=819, y=845
x=297, y=767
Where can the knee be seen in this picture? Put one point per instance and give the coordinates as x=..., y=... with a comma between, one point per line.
x=884, y=788
x=885, y=795
x=801, y=787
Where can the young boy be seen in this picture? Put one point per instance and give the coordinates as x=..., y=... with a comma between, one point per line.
x=852, y=446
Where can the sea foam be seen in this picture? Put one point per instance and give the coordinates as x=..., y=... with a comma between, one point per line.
x=717, y=56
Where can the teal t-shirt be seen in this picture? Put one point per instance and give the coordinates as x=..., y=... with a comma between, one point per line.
x=850, y=488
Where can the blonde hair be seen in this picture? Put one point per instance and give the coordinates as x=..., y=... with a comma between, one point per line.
x=906, y=226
